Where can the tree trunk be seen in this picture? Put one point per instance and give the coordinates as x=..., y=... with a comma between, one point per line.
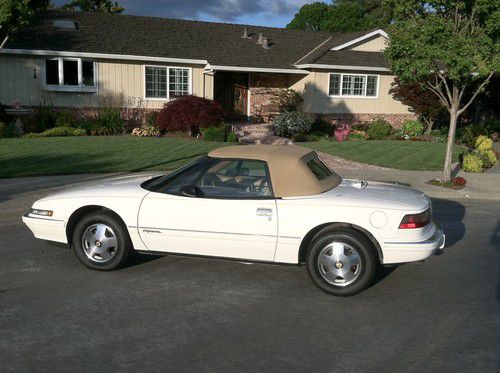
x=449, y=146
x=430, y=124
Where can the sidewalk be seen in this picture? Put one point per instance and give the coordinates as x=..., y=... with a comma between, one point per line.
x=479, y=186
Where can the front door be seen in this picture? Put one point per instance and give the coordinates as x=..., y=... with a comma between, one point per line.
x=231, y=91
x=229, y=211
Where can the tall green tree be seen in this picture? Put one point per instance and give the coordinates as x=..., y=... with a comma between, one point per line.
x=456, y=42
x=341, y=15
x=103, y=6
x=16, y=14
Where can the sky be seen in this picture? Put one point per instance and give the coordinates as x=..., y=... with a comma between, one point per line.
x=275, y=13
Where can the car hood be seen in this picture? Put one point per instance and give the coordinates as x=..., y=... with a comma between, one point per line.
x=120, y=186
x=378, y=195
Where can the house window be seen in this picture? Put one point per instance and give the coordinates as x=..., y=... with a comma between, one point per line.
x=70, y=74
x=156, y=82
x=164, y=82
x=334, y=84
x=353, y=85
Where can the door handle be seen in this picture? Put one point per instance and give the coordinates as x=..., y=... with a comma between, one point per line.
x=264, y=212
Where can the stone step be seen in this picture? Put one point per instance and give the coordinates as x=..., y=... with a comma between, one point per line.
x=270, y=140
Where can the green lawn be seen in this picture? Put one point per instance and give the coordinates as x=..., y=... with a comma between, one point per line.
x=405, y=155
x=71, y=155
x=96, y=154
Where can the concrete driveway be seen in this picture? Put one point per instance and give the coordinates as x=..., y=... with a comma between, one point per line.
x=182, y=314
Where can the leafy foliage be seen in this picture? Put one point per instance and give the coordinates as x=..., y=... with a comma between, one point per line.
x=65, y=119
x=58, y=132
x=291, y=123
x=16, y=14
x=421, y=100
x=472, y=162
x=451, y=46
x=341, y=15
x=217, y=133
x=146, y=131
x=103, y=6
x=108, y=122
x=379, y=129
x=189, y=113
x=483, y=143
x=413, y=128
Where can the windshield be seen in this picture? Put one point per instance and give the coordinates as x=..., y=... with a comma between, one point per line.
x=157, y=182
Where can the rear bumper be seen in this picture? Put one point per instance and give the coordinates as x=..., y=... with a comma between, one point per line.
x=402, y=252
x=46, y=228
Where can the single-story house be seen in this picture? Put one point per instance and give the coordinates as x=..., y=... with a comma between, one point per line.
x=87, y=60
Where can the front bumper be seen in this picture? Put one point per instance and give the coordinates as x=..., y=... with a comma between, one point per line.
x=46, y=228
x=402, y=252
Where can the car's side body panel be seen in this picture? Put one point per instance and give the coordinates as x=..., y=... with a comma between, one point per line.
x=234, y=228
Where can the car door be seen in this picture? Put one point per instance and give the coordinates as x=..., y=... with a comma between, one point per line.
x=221, y=208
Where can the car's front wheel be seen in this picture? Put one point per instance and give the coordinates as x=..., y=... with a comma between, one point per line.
x=341, y=261
x=101, y=242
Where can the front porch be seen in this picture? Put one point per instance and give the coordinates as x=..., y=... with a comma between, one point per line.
x=254, y=97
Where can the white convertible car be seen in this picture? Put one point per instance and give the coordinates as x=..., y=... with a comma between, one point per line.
x=278, y=204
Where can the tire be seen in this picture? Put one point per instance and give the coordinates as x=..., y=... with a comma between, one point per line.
x=331, y=252
x=101, y=242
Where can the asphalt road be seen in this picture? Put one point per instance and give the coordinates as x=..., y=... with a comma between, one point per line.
x=181, y=314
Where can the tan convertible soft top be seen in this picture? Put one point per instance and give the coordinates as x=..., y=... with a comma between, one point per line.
x=290, y=175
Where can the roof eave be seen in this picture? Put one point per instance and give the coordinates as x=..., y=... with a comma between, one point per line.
x=341, y=67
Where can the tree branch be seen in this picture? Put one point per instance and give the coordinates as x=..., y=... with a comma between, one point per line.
x=438, y=92
x=479, y=89
x=4, y=42
x=443, y=80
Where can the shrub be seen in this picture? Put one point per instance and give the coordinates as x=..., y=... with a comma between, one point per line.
x=489, y=158
x=108, y=122
x=10, y=130
x=322, y=126
x=379, y=129
x=358, y=136
x=146, y=131
x=483, y=143
x=413, y=128
x=290, y=100
x=361, y=126
x=216, y=134
x=58, y=132
x=231, y=137
x=2, y=129
x=44, y=118
x=342, y=132
x=472, y=162
x=151, y=118
x=291, y=123
x=459, y=181
x=65, y=119
x=190, y=114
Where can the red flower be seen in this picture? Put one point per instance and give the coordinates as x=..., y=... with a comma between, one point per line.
x=459, y=181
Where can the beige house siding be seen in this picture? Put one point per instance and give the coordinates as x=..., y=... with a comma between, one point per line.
x=316, y=100
x=119, y=82
x=375, y=44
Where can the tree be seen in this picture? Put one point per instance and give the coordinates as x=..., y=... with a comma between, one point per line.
x=421, y=100
x=451, y=46
x=103, y=6
x=341, y=15
x=310, y=17
x=16, y=14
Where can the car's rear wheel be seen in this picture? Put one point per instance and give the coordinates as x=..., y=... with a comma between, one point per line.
x=341, y=261
x=101, y=242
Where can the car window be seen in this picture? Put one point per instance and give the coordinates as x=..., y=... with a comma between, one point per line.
x=318, y=168
x=236, y=179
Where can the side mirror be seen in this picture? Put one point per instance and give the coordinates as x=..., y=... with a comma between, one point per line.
x=191, y=191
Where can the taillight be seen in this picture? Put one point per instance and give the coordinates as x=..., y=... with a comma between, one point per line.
x=416, y=220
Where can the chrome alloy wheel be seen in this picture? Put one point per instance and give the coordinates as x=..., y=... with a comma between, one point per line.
x=99, y=243
x=339, y=264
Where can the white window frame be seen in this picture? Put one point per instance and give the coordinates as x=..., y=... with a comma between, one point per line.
x=68, y=88
x=364, y=96
x=190, y=81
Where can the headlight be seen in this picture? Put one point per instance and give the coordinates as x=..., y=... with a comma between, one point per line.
x=41, y=212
